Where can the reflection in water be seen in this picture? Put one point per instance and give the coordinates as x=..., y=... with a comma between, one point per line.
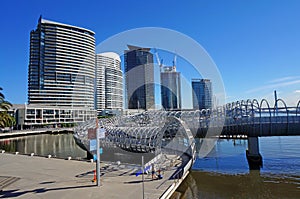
x=224, y=172
x=63, y=146
x=227, y=156
x=188, y=188
x=251, y=185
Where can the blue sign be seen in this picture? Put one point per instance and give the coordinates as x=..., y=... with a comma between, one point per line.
x=93, y=145
x=95, y=155
x=140, y=171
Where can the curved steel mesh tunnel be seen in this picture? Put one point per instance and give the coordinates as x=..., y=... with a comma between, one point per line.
x=157, y=130
x=149, y=131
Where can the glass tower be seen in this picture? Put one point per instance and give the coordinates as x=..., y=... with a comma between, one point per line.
x=170, y=88
x=139, y=78
x=202, y=93
x=61, y=68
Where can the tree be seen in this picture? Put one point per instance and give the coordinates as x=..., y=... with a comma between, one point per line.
x=6, y=120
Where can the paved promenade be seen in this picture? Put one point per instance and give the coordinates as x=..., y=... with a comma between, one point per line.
x=39, y=177
x=17, y=133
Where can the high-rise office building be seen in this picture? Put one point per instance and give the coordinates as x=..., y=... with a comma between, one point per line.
x=202, y=93
x=61, y=65
x=109, y=82
x=139, y=78
x=170, y=88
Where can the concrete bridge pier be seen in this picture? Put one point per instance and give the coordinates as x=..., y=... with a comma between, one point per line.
x=253, y=156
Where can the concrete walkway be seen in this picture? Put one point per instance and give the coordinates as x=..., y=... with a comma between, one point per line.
x=39, y=177
x=16, y=133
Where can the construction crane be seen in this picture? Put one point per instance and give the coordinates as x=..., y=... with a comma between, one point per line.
x=159, y=62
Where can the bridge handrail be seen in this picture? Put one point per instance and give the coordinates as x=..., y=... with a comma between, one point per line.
x=285, y=106
x=270, y=117
x=297, y=107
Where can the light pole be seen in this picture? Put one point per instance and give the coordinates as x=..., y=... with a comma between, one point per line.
x=143, y=177
x=98, y=154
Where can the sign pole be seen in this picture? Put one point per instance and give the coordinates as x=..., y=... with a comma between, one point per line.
x=143, y=176
x=98, y=154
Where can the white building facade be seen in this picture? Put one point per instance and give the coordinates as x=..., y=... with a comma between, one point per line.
x=61, y=65
x=109, y=82
x=36, y=116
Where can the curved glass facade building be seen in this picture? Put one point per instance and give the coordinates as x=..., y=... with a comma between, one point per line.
x=61, y=65
x=109, y=84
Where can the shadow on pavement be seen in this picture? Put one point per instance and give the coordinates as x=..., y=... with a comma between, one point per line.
x=16, y=193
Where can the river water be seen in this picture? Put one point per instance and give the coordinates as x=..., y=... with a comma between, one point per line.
x=64, y=146
x=223, y=173
x=57, y=145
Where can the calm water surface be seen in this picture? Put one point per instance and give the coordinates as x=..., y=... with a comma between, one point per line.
x=63, y=146
x=57, y=145
x=224, y=172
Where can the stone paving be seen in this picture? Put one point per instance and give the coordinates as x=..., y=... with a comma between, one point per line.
x=40, y=177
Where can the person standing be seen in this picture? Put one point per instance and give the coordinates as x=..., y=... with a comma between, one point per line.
x=153, y=171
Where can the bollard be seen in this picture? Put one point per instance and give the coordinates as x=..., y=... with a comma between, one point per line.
x=31, y=154
x=95, y=177
x=69, y=158
x=49, y=156
x=17, y=152
x=91, y=160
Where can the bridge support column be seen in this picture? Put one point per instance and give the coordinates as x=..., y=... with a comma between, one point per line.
x=253, y=156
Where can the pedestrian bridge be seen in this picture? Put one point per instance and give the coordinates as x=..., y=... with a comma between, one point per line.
x=162, y=131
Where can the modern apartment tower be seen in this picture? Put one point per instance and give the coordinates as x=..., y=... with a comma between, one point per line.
x=109, y=82
x=202, y=93
x=170, y=88
x=139, y=78
x=61, y=65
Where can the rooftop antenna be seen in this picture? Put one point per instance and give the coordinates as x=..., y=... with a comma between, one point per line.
x=174, y=61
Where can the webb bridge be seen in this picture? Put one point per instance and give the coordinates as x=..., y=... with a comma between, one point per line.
x=164, y=132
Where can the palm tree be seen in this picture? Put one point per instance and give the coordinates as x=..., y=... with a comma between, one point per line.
x=6, y=120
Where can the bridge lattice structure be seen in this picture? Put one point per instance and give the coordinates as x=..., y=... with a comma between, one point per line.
x=157, y=130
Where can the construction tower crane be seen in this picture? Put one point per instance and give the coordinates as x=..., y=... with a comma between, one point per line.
x=159, y=61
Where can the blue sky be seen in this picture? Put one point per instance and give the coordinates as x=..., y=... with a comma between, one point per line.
x=254, y=43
